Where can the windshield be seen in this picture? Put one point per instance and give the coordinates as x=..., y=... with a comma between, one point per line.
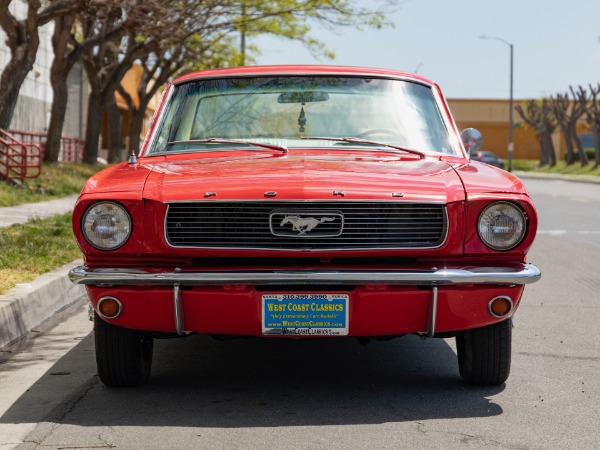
x=286, y=110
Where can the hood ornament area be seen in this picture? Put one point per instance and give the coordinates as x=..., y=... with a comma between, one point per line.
x=319, y=224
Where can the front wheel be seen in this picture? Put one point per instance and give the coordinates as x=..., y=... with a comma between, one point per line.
x=123, y=356
x=484, y=354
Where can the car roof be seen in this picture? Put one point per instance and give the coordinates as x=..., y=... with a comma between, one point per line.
x=301, y=70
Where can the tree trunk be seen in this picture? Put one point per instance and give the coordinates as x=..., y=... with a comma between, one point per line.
x=543, y=149
x=570, y=156
x=551, y=151
x=93, y=128
x=58, y=79
x=11, y=80
x=136, y=123
x=583, y=159
x=115, y=130
x=548, y=149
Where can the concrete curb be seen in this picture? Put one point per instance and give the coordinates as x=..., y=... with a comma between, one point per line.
x=28, y=305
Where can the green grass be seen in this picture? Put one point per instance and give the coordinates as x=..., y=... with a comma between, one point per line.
x=560, y=168
x=32, y=249
x=56, y=181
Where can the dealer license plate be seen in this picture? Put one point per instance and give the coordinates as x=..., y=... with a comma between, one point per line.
x=305, y=314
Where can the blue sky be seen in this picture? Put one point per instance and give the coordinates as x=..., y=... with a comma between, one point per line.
x=556, y=44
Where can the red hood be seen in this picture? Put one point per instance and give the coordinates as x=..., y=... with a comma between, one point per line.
x=480, y=178
x=121, y=177
x=302, y=176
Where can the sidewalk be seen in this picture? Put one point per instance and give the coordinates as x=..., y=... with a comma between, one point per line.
x=29, y=304
x=11, y=215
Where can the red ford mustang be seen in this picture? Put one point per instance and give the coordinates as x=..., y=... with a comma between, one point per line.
x=304, y=201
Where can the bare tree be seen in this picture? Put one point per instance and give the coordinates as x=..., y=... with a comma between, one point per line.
x=581, y=101
x=539, y=115
x=567, y=114
x=560, y=108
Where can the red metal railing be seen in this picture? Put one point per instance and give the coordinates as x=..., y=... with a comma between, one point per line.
x=71, y=148
x=18, y=159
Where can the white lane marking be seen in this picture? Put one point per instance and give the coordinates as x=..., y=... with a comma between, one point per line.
x=563, y=232
x=580, y=200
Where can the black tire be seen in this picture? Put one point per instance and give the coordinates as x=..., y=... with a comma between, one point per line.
x=484, y=354
x=123, y=356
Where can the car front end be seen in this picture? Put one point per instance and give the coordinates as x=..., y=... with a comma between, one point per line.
x=303, y=202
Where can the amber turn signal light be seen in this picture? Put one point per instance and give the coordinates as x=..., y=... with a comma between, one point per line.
x=500, y=306
x=109, y=307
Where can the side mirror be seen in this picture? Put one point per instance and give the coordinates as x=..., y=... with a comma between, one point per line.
x=472, y=140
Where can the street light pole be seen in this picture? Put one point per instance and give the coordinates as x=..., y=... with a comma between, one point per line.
x=511, y=146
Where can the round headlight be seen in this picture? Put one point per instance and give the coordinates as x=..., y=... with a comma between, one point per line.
x=106, y=225
x=501, y=226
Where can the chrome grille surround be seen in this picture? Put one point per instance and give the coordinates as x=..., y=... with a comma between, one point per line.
x=246, y=225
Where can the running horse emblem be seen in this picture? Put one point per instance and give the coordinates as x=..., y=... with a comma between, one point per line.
x=304, y=225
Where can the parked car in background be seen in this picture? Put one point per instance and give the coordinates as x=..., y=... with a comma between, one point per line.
x=489, y=158
x=304, y=202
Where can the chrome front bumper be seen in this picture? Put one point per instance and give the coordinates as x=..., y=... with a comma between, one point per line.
x=513, y=275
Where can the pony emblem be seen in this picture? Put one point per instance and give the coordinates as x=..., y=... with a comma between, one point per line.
x=304, y=225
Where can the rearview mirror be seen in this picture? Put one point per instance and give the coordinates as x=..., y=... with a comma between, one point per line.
x=303, y=97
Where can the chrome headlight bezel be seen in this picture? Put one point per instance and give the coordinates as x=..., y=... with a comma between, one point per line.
x=113, y=239
x=514, y=217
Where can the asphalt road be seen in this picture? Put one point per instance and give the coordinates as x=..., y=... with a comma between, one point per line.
x=403, y=393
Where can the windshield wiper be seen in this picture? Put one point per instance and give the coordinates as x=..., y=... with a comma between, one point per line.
x=365, y=141
x=212, y=140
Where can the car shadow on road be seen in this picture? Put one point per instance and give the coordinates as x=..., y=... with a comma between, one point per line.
x=202, y=382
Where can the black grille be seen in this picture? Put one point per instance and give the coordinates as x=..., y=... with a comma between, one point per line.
x=247, y=225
